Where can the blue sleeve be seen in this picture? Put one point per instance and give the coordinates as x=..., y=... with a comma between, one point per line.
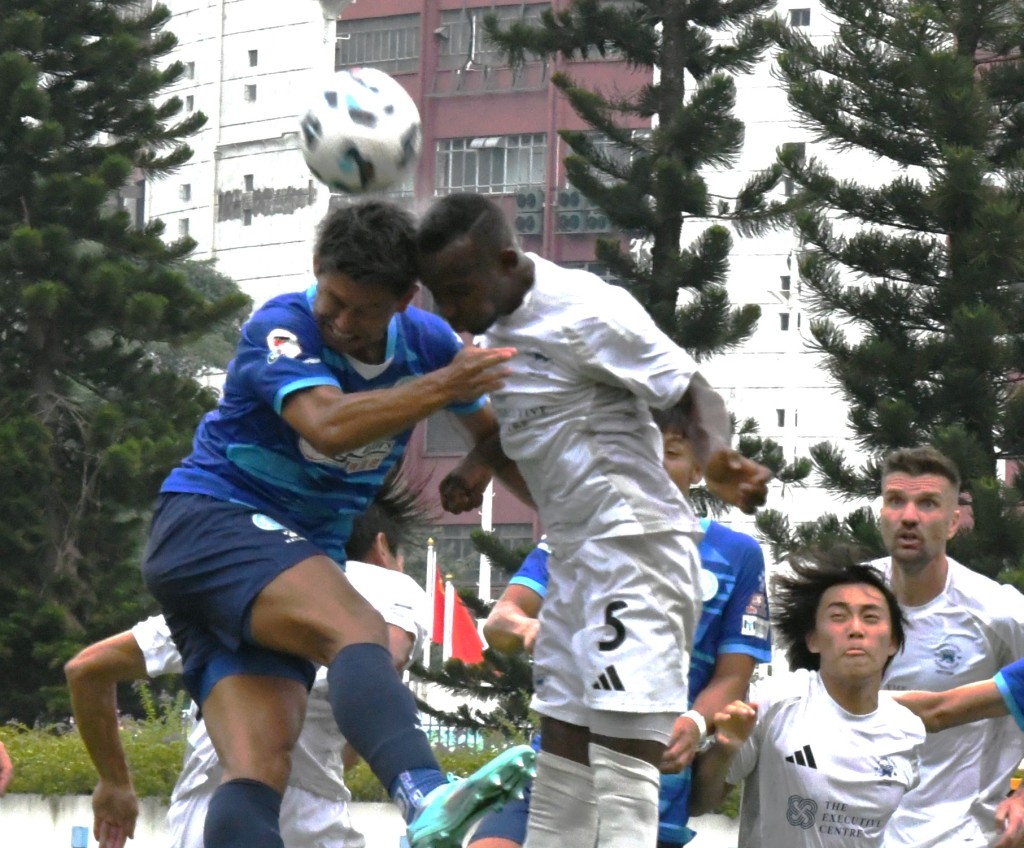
x=436, y=344
x=1010, y=681
x=533, y=573
x=279, y=353
x=745, y=625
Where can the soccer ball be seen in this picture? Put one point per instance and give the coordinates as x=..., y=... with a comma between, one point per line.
x=361, y=133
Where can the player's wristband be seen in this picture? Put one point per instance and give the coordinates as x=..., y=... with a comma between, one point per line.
x=706, y=740
x=698, y=720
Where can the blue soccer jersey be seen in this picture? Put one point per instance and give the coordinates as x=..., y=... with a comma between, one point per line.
x=734, y=620
x=244, y=451
x=1010, y=681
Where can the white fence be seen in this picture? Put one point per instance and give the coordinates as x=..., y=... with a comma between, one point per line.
x=66, y=822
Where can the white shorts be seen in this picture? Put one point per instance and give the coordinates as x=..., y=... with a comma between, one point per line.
x=307, y=820
x=616, y=627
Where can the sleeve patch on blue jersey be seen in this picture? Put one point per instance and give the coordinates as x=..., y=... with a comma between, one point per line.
x=754, y=625
x=282, y=343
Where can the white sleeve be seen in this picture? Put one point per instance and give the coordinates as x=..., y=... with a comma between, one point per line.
x=154, y=639
x=621, y=344
x=396, y=596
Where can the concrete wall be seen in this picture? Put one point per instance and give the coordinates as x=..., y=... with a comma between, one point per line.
x=33, y=820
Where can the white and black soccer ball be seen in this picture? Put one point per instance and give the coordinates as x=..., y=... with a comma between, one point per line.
x=361, y=133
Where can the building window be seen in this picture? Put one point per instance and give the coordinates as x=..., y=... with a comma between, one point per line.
x=250, y=93
x=461, y=39
x=246, y=217
x=799, y=17
x=190, y=70
x=492, y=164
x=248, y=181
x=780, y=417
x=391, y=44
x=784, y=321
x=254, y=58
x=190, y=103
x=785, y=283
x=456, y=551
x=185, y=191
x=797, y=147
x=443, y=436
x=788, y=186
x=182, y=227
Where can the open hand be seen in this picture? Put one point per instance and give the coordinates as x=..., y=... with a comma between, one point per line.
x=115, y=809
x=737, y=480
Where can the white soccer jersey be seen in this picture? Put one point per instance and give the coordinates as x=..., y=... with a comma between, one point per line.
x=316, y=760
x=966, y=634
x=818, y=776
x=574, y=412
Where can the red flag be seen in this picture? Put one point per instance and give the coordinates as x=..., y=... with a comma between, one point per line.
x=466, y=643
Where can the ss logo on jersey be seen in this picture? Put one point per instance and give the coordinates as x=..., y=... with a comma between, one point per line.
x=615, y=625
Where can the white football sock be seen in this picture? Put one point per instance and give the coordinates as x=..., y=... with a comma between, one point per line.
x=626, y=790
x=562, y=808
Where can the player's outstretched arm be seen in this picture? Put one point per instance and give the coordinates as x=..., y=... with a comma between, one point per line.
x=512, y=625
x=334, y=422
x=942, y=710
x=728, y=683
x=463, y=488
x=733, y=727
x=92, y=678
x=728, y=474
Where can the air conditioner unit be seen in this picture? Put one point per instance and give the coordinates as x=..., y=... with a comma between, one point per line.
x=530, y=200
x=570, y=198
x=595, y=221
x=529, y=223
x=569, y=222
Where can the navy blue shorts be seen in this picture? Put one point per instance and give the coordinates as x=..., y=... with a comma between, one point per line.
x=205, y=562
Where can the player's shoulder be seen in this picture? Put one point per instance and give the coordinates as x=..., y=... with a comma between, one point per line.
x=720, y=535
x=427, y=337
x=983, y=595
x=899, y=720
x=381, y=582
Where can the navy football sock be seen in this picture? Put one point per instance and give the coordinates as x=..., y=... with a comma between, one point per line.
x=378, y=717
x=243, y=814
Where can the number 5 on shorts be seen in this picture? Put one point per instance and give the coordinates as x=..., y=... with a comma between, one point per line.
x=614, y=624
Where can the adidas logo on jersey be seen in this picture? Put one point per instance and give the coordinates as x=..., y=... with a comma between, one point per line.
x=803, y=757
x=609, y=680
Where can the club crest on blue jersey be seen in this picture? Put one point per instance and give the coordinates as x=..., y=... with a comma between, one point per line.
x=282, y=343
x=708, y=584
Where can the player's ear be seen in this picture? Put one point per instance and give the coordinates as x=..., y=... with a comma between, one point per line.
x=406, y=299
x=508, y=258
x=811, y=640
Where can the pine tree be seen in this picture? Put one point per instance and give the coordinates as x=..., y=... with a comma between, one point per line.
x=91, y=421
x=915, y=279
x=659, y=181
x=503, y=682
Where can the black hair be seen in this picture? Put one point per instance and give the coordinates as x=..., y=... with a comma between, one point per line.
x=372, y=242
x=675, y=420
x=919, y=461
x=398, y=511
x=796, y=597
x=457, y=215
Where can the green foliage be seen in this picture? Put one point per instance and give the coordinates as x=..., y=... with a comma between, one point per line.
x=52, y=760
x=92, y=418
x=654, y=180
x=917, y=299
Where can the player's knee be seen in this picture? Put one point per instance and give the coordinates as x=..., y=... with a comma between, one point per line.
x=334, y=632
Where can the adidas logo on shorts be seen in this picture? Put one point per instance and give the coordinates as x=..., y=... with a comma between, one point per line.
x=609, y=680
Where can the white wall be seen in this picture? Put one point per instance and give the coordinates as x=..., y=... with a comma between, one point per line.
x=47, y=823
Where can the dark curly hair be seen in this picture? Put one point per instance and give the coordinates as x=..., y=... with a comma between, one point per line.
x=457, y=215
x=372, y=242
x=796, y=596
